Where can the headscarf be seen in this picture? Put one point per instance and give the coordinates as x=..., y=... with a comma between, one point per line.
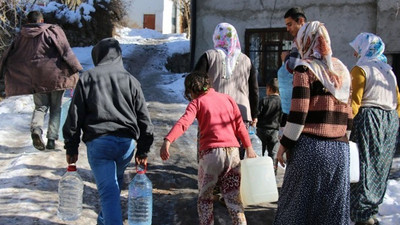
x=314, y=46
x=226, y=41
x=370, y=48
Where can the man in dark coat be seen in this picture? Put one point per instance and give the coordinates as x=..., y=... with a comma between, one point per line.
x=40, y=61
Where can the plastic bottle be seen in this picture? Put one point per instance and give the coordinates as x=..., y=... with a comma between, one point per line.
x=140, y=200
x=70, y=190
x=255, y=141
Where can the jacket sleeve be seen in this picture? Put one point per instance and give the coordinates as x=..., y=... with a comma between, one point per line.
x=145, y=125
x=253, y=92
x=63, y=47
x=358, y=85
x=75, y=120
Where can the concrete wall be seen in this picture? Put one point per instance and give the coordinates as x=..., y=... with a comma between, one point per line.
x=344, y=19
x=163, y=9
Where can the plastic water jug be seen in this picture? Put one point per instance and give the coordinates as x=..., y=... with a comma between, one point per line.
x=70, y=191
x=255, y=141
x=140, y=200
x=354, y=163
x=258, y=182
x=63, y=117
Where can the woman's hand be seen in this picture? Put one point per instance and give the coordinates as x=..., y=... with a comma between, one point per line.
x=250, y=153
x=164, y=150
x=279, y=155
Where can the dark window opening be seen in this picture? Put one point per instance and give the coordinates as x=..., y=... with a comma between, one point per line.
x=264, y=48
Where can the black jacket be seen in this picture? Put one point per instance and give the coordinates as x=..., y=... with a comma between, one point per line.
x=270, y=112
x=108, y=100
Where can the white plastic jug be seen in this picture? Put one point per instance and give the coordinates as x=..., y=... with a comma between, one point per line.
x=258, y=182
x=354, y=163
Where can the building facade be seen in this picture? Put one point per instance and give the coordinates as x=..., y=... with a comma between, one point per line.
x=262, y=33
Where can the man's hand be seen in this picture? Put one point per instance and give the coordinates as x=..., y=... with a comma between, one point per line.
x=71, y=158
x=141, y=160
x=254, y=122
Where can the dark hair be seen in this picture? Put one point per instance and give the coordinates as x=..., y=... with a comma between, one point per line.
x=34, y=17
x=197, y=83
x=295, y=13
x=273, y=84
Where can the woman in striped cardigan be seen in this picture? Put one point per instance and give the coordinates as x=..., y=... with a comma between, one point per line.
x=315, y=139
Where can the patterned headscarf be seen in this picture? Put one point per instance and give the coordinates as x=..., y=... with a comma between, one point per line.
x=314, y=46
x=226, y=41
x=370, y=47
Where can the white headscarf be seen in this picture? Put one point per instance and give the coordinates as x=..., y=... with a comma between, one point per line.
x=226, y=41
x=314, y=47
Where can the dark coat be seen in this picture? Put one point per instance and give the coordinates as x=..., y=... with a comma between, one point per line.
x=108, y=100
x=39, y=60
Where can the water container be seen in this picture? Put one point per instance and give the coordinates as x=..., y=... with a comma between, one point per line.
x=255, y=141
x=354, y=163
x=140, y=200
x=70, y=190
x=63, y=117
x=258, y=184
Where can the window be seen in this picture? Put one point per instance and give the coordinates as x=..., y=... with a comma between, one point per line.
x=264, y=47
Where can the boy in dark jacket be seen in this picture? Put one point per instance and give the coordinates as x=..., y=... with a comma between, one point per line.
x=109, y=107
x=269, y=119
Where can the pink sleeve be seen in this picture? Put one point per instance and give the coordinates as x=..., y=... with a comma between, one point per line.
x=241, y=130
x=183, y=123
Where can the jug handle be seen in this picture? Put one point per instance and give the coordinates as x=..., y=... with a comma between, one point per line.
x=139, y=170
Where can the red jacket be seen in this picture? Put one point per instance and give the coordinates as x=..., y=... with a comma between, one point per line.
x=39, y=60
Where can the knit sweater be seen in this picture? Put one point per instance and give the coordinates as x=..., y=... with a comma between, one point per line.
x=315, y=111
x=219, y=119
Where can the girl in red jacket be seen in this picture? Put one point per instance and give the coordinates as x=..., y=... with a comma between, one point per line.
x=220, y=124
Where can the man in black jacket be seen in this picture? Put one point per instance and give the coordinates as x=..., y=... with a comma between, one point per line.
x=109, y=107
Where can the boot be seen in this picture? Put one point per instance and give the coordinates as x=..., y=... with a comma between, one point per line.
x=370, y=221
x=51, y=144
x=37, y=139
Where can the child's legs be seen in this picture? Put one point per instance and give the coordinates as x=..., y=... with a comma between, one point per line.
x=230, y=186
x=211, y=165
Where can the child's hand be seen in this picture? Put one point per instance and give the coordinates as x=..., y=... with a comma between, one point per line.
x=164, y=150
x=279, y=155
x=250, y=153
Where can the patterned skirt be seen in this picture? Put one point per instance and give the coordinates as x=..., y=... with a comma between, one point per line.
x=316, y=186
x=375, y=131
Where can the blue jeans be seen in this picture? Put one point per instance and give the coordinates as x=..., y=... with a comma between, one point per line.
x=108, y=157
x=44, y=102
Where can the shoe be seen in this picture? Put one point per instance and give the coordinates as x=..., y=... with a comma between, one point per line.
x=37, y=139
x=51, y=144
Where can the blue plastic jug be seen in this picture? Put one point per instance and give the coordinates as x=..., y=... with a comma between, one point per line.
x=140, y=200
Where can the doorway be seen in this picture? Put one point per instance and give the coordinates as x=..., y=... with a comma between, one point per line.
x=149, y=21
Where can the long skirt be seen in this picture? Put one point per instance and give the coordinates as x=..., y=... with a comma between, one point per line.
x=316, y=186
x=375, y=131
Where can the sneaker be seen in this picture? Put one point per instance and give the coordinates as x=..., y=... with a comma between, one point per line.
x=370, y=221
x=51, y=144
x=37, y=139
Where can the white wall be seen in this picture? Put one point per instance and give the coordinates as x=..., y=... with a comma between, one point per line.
x=161, y=8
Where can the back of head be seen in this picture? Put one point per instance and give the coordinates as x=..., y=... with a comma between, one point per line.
x=295, y=13
x=35, y=17
x=273, y=84
x=196, y=83
x=106, y=50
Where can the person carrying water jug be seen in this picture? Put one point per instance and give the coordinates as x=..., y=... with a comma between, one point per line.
x=220, y=123
x=109, y=107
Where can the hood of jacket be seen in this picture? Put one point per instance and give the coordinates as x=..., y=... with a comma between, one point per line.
x=32, y=30
x=107, y=51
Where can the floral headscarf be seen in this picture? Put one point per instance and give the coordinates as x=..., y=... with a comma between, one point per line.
x=314, y=46
x=370, y=47
x=226, y=41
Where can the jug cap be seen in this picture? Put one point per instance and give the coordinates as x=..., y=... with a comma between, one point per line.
x=71, y=167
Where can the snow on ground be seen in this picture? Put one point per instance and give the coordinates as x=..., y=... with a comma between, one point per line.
x=16, y=111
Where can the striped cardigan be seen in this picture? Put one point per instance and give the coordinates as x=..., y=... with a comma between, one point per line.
x=315, y=112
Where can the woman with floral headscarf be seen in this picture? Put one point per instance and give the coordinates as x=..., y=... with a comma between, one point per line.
x=316, y=186
x=374, y=101
x=231, y=72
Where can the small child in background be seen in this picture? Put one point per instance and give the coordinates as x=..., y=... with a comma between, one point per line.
x=220, y=123
x=269, y=119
